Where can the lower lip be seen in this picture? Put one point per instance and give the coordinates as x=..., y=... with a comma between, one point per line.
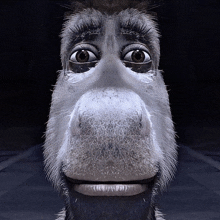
x=110, y=189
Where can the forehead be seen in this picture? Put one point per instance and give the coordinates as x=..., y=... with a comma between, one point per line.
x=91, y=23
x=94, y=16
x=130, y=25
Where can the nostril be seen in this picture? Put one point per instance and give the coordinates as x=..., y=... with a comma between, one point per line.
x=145, y=125
x=76, y=126
x=140, y=125
x=84, y=126
x=140, y=122
x=79, y=121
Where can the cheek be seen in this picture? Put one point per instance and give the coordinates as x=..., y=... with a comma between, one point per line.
x=73, y=77
x=142, y=79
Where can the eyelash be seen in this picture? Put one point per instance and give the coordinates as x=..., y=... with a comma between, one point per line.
x=139, y=67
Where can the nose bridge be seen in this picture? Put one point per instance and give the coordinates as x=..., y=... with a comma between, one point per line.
x=110, y=66
x=110, y=72
x=110, y=42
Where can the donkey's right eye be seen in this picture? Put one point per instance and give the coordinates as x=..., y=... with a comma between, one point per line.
x=82, y=61
x=83, y=56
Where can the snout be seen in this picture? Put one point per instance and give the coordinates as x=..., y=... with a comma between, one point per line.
x=110, y=140
x=109, y=116
x=110, y=123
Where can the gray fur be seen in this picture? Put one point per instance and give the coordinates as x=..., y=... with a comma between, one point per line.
x=108, y=103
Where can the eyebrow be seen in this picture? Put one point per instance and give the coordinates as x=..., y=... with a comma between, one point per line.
x=87, y=31
x=134, y=30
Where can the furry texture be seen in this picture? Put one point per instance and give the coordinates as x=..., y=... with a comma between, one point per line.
x=112, y=6
x=110, y=122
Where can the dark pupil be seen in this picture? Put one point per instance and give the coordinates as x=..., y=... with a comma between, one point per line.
x=138, y=56
x=82, y=56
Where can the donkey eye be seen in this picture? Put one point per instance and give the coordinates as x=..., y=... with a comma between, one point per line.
x=83, y=56
x=137, y=56
x=82, y=60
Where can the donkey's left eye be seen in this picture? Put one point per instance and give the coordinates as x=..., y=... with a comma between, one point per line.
x=137, y=56
x=83, y=56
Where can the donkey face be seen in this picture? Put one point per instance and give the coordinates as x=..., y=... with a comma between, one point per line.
x=110, y=139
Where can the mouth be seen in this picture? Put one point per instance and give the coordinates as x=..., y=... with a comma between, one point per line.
x=122, y=188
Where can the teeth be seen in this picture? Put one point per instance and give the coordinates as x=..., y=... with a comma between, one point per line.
x=110, y=189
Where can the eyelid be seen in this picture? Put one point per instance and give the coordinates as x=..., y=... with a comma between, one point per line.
x=92, y=56
x=132, y=47
x=84, y=46
x=127, y=57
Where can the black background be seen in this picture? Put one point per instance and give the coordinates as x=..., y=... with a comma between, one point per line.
x=29, y=60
